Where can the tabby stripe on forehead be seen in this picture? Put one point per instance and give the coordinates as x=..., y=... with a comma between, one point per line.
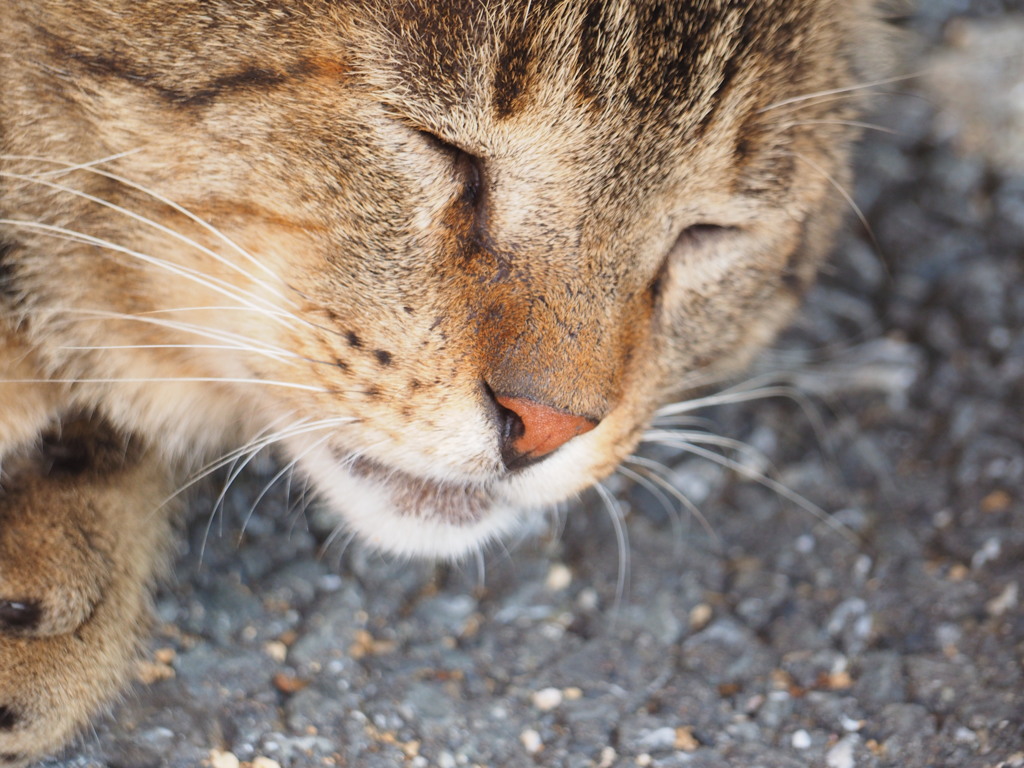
x=511, y=70
x=203, y=93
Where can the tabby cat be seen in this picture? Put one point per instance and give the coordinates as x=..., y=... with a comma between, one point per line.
x=447, y=256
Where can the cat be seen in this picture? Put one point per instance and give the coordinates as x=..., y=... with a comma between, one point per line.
x=447, y=256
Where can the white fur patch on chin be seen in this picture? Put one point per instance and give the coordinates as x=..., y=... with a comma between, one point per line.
x=367, y=507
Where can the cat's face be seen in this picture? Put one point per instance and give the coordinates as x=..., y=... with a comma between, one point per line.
x=415, y=211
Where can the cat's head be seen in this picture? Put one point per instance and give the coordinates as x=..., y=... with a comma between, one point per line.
x=451, y=255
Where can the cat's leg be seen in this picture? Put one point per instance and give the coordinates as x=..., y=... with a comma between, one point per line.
x=81, y=541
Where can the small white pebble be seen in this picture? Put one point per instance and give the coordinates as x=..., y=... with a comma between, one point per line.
x=801, y=739
x=990, y=550
x=419, y=762
x=446, y=760
x=547, y=699
x=220, y=759
x=531, y=741
x=559, y=577
x=265, y=762
x=965, y=736
x=331, y=582
x=608, y=756
x=850, y=725
x=644, y=760
x=1006, y=601
x=804, y=544
x=700, y=615
x=587, y=599
x=276, y=650
x=841, y=755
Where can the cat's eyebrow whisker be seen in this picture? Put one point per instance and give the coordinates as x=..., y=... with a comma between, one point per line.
x=839, y=91
x=614, y=509
x=214, y=284
x=845, y=194
x=88, y=168
x=847, y=123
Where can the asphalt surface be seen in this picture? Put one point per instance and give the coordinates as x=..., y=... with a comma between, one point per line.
x=886, y=630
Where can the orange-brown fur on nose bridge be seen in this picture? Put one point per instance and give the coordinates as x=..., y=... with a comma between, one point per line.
x=544, y=429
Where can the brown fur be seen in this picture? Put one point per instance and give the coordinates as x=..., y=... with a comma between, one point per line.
x=383, y=213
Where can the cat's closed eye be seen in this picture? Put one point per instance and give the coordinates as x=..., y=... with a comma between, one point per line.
x=468, y=168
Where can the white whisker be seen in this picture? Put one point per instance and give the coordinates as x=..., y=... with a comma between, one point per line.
x=838, y=91
x=847, y=123
x=88, y=167
x=214, y=284
x=762, y=479
x=171, y=380
x=845, y=194
x=258, y=443
x=655, y=474
x=153, y=224
x=286, y=469
x=703, y=438
x=614, y=509
x=233, y=339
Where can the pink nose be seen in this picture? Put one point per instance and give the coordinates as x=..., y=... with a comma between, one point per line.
x=543, y=430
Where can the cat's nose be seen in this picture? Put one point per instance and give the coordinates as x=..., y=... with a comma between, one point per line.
x=529, y=431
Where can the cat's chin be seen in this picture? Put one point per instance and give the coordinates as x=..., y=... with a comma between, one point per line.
x=410, y=516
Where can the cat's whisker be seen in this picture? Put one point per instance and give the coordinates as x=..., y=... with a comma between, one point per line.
x=69, y=168
x=762, y=479
x=227, y=337
x=233, y=341
x=659, y=474
x=169, y=380
x=89, y=168
x=214, y=284
x=164, y=230
x=683, y=421
x=729, y=396
x=845, y=193
x=615, y=514
x=850, y=89
x=257, y=444
x=750, y=390
x=286, y=469
x=334, y=535
x=703, y=438
x=670, y=510
x=844, y=123
x=238, y=466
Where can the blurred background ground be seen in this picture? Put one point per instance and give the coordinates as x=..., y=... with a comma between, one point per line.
x=776, y=640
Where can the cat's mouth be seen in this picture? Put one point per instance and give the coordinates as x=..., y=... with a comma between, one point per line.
x=454, y=504
x=405, y=514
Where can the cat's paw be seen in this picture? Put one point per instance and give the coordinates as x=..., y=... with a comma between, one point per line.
x=54, y=567
x=78, y=554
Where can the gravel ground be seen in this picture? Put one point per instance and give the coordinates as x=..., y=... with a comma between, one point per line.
x=767, y=636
